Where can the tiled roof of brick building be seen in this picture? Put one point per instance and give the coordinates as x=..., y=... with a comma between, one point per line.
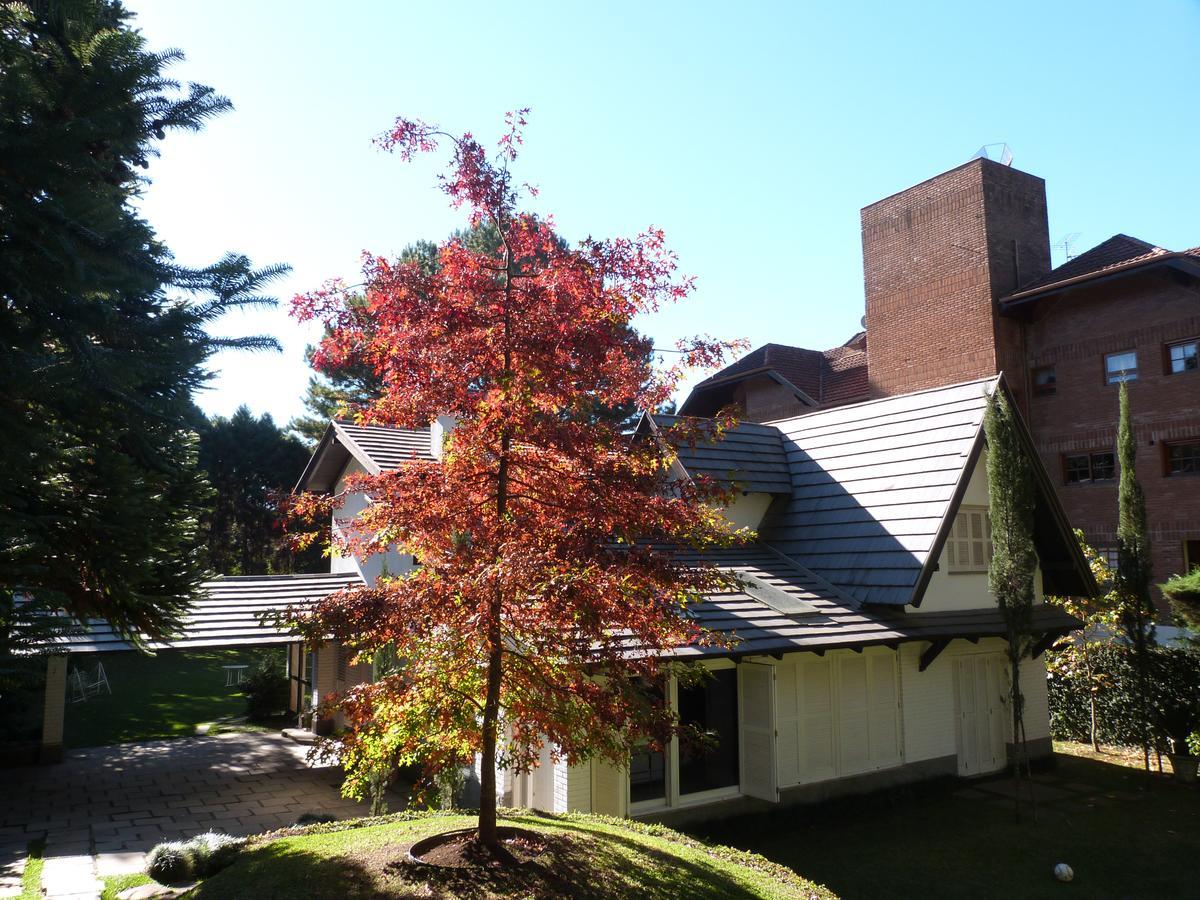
x=827, y=377
x=1117, y=254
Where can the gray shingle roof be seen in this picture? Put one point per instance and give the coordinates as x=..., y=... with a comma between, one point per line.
x=837, y=620
x=230, y=613
x=748, y=455
x=872, y=484
x=377, y=448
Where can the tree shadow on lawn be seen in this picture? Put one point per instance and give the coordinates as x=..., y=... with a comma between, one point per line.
x=1126, y=835
x=578, y=864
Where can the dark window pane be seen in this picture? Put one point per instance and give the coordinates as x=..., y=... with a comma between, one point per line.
x=1185, y=357
x=647, y=775
x=1183, y=459
x=1078, y=469
x=1044, y=380
x=1104, y=466
x=711, y=707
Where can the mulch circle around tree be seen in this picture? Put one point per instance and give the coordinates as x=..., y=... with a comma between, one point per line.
x=461, y=849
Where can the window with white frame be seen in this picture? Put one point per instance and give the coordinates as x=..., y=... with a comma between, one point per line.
x=697, y=769
x=969, y=547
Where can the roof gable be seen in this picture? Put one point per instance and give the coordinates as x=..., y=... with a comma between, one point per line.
x=377, y=448
x=872, y=484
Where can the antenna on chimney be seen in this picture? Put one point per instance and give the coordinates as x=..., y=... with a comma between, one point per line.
x=1000, y=153
x=1066, y=242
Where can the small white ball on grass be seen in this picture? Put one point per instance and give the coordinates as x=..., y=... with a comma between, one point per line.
x=1063, y=872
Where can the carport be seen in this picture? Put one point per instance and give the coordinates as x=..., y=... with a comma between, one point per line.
x=230, y=612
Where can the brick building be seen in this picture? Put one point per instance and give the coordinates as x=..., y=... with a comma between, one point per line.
x=959, y=286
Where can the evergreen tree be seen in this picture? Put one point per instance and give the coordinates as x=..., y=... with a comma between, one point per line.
x=102, y=334
x=250, y=462
x=1011, y=501
x=1136, y=609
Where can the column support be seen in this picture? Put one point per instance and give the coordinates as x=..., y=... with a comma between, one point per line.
x=54, y=709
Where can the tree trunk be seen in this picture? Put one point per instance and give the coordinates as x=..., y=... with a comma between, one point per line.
x=488, y=835
x=1087, y=669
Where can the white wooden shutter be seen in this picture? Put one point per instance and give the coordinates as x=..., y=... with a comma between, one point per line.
x=883, y=710
x=756, y=705
x=610, y=788
x=997, y=712
x=787, y=723
x=968, y=727
x=854, y=736
x=816, y=718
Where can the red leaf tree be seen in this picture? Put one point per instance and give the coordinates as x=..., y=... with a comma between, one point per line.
x=549, y=587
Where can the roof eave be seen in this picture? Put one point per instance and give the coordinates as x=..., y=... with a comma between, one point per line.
x=1180, y=261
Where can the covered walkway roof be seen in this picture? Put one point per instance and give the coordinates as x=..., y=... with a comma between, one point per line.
x=232, y=611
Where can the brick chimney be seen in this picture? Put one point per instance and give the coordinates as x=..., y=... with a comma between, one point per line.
x=936, y=258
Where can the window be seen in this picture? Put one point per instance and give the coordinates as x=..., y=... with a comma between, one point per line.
x=1084, y=468
x=1191, y=555
x=969, y=548
x=710, y=707
x=1183, y=357
x=1120, y=367
x=686, y=771
x=1044, y=381
x=1110, y=556
x=1183, y=459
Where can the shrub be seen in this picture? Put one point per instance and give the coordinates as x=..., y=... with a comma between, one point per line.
x=171, y=863
x=266, y=687
x=1174, y=695
x=213, y=851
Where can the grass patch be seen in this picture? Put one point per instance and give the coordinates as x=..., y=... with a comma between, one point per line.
x=588, y=856
x=162, y=696
x=114, y=884
x=1127, y=835
x=31, y=878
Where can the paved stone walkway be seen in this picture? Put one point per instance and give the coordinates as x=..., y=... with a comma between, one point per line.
x=103, y=808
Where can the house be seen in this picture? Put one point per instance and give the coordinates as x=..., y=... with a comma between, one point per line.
x=959, y=285
x=867, y=650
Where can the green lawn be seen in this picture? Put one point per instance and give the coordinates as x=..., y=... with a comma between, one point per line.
x=588, y=857
x=1123, y=838
x=161, y=696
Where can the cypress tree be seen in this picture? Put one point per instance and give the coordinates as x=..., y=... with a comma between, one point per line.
x=1011, y=501
x=103, y=337
x=1136, y=608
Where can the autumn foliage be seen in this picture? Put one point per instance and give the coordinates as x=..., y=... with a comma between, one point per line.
x=548, y=589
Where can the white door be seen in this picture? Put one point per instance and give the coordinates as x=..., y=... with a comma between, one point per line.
x=979, y=687
x=756, y=704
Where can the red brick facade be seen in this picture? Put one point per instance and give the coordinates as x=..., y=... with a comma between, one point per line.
x=936, y=260
x=939, y=259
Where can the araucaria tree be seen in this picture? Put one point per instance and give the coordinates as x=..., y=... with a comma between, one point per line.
x=548, y=589
x=1011, y=501
x=1135, y=606
x=102, y=334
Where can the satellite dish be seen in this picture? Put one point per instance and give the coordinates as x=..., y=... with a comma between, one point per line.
x=1000, y=153
x=863, y=323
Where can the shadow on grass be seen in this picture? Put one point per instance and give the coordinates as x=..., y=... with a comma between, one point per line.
x=1125, y=834
x=577, y=863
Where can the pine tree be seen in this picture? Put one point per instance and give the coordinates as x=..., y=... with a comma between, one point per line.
x=1011, y=503
x=1136, y=611
x=250, y=463
x=102, y=334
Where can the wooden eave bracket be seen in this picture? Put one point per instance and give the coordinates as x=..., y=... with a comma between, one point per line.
x=932, y=652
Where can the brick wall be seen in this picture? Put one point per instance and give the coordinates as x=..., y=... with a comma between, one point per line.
x=936, y=257
x=1073, y=333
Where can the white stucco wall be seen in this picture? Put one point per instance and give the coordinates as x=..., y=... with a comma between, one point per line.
x=966, y=590
x=747, y=509
x=391, y=562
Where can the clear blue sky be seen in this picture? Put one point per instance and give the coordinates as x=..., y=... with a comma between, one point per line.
x=752, y=133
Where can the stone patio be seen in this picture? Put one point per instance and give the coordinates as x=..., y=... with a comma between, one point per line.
x=103, y=808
